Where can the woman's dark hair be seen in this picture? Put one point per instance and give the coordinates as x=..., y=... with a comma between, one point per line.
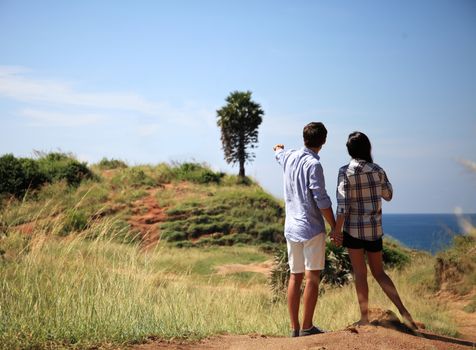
x=314, y=134
x=359, y=147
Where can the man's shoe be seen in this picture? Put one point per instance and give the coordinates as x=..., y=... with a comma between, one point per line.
x=311, y=331
x=295, y=333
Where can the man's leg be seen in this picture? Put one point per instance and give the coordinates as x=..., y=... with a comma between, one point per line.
x=294, y=296
x=311, y=292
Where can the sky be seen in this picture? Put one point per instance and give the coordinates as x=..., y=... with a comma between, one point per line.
x=141, y=81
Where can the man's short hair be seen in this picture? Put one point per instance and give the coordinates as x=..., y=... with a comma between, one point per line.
x=314, y=134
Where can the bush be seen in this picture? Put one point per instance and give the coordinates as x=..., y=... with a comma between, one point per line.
x=338, y=268
x=280, y=272
x=197, y=173
x=60, y=166
x=19, y=175
x=173, y=236
x=135, y=177
x=12, y=176
x=394, y=256
x=111, y=164
x=33, y=177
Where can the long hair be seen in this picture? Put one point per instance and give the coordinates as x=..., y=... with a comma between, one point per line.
x=359, y=147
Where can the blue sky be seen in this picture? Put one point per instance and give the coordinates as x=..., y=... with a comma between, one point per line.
x=142, y=80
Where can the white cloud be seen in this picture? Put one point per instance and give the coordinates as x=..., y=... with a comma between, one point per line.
x=49, y=118
x=15, y=84
x=79, y=107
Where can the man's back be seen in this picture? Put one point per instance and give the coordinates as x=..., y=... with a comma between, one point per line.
x=304, y=193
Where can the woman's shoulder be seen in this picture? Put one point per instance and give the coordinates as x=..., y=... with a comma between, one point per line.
x=375, y=167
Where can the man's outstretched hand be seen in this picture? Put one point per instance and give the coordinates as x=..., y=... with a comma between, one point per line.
x=278, y=146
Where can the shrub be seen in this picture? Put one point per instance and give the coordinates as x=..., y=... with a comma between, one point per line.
x=135, y=177
x=106, y=163
x=338, y=269
x=33, y=177
x=197, y=173
x=60, y=166
x=173, y=236
x=280, y=272
x=12, y=175
x=394, y=256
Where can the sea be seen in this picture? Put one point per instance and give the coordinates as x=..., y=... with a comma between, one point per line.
x=429, y=232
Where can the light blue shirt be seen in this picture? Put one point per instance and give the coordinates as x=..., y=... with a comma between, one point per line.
x=304, y=193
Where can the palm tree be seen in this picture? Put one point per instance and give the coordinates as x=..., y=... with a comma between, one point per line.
x=239, y=120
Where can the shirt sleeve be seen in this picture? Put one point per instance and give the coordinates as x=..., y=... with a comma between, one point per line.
x=279, y=155
x=317, y=186
x=343, y=193
x=387, y=189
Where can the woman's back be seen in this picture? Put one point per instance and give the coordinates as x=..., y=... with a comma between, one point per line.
x=361, y=187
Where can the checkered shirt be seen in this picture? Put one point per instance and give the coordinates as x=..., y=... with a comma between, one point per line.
x=360, y=189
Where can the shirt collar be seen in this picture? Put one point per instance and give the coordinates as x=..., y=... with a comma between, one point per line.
x=311, y=152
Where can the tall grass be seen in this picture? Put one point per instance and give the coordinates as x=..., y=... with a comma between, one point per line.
x=78, y=292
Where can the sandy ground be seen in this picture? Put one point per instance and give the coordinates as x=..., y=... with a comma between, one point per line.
x=367, y=337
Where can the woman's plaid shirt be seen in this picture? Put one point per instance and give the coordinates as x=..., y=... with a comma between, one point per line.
x=360, y=189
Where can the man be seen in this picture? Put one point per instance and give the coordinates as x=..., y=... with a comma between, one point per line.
x=306, y=203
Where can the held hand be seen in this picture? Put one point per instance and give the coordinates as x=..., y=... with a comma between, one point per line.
x=336, y=238
x=279, y=145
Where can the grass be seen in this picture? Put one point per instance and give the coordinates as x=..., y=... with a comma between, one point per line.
x=81, y=293
x=456, y=266
x=78, y=292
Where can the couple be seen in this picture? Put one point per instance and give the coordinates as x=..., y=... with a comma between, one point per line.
x=361, y=186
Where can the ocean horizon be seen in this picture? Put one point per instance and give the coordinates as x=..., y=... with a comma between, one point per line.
x=428, y=232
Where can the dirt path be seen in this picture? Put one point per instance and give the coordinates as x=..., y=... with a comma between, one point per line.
x=264, y=268
x=368, y=337
x=386, y=332
x=147, y=214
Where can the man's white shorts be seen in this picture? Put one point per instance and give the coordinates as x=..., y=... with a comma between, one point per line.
x=307, y=255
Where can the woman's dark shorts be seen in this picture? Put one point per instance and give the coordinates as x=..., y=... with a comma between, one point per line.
x=355, y=243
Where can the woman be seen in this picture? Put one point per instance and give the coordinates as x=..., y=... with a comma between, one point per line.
x=361, y=186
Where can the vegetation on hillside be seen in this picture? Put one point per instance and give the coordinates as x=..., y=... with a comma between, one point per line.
x=455, y=267
x=68, y=280
x=18, y=175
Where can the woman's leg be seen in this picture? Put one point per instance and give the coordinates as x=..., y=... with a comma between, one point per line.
x=357, y=258
x=385, y=282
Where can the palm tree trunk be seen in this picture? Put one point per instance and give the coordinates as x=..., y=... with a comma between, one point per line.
x=241, y=156
x=242, y=168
